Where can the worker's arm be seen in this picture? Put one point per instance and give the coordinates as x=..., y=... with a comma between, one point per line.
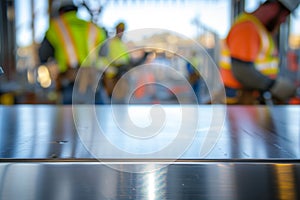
x=138, y=61
x=46, y=51
x=250, y=78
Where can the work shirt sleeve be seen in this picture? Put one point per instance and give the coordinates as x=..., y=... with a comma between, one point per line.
x=46, y=51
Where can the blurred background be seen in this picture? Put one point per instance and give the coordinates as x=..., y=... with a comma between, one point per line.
x=24, y=23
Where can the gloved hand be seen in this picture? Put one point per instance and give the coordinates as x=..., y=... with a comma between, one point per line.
x=283, y=89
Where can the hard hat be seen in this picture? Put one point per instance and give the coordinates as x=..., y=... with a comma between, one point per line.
x=57, y=4
x=66, y=3
x=121, y=25
x=291, y=5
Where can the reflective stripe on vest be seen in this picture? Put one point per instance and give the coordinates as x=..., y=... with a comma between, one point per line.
x=266, y=61
x=68, y=41
x=92, y=43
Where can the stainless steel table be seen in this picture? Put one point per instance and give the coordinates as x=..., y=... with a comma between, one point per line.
x=146, y=152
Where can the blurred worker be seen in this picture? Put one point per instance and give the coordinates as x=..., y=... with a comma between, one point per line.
x=193, y=73
x=249, y=61
x=119, y=61
x=117, y=57
x=69, y=40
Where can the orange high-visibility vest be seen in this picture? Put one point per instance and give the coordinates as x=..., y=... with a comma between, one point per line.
x=263, y=52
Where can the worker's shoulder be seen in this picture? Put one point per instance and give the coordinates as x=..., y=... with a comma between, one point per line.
x=245, y=29
x=245, y=26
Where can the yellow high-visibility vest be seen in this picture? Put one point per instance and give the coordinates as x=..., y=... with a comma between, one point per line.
x=73, y=39
x=118, y=53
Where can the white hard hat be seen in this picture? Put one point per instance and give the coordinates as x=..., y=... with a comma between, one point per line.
x=290, y=4
x=66, y=3
x=58, y=4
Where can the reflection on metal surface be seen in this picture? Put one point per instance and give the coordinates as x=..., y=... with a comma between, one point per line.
x=77, y=181
x=285, y=181
x=249, y=132
x=256, y=157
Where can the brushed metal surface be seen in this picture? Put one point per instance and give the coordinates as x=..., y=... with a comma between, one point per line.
x=89, y=180
x=253, y=155
x=248, y=132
